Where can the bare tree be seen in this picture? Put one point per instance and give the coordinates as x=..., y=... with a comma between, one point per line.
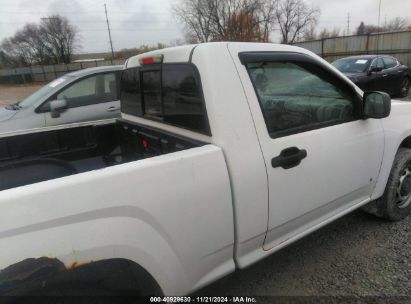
x=216, y=20
x=396, y=24
x=195, y=15
x=370, y=29
x=25, y=47
x=53, y=41
x=241, y=20
x=294, y=18
x=268, y=18
x=310, y=33
x=242, y=27
x=59, y=36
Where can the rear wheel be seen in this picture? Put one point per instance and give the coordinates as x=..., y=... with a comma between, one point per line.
x=405, y=87
x=395, y=204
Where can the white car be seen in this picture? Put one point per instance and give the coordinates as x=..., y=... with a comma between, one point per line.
x=225, y=153
x=86, y=95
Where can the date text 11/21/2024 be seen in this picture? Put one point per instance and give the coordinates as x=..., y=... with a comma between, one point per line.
x=203, y=300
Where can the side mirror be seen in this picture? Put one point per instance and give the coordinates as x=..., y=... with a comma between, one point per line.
x=57, y=106
x=374, y=70
x=376, y=105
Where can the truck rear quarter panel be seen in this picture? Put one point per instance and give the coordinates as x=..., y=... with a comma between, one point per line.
x=171, y=214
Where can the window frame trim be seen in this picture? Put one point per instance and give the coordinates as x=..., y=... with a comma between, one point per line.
x=292, y=57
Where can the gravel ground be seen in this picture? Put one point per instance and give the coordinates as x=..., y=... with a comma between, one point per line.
x=358, y=255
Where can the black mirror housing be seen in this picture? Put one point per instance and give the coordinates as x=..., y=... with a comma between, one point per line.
x=377, y=105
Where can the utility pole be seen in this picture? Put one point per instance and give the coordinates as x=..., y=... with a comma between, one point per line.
x=348, y=24
x=109, y=33
x=378, y=27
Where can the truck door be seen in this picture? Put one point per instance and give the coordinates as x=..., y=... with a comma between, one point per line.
x=321, y=157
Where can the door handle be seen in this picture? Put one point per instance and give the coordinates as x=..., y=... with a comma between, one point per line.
x=385, y=75
x=113, y=109
x=289, y=158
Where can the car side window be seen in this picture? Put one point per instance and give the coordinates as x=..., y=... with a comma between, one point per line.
x=91, y=90
x=111, y=91
x=389, y=62
x=378, y=63
x=297, y=97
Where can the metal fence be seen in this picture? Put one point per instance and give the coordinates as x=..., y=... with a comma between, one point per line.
x=397, y=44
x=48, y=73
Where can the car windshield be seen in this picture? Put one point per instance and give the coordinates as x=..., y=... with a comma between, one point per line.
x=352, y=65
x=43, y=92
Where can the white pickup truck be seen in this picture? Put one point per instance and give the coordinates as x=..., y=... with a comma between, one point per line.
x=225, y=153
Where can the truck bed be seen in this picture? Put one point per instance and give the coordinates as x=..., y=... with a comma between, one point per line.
x=35, y=157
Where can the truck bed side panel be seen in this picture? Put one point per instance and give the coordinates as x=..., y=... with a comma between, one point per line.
x=182, y=235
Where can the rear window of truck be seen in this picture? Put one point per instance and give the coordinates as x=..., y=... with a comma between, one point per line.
x=170, y=93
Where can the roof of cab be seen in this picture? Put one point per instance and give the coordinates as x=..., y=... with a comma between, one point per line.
x=91, y=71
x=184, y=53
x=173, y=54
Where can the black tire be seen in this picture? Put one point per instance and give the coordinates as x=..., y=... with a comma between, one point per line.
x=405, y=87
x=395, y=204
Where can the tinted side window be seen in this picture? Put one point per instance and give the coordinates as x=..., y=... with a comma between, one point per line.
x=183, y=103
x=297, y=97
x=152, y=92
x=130, y=92
x=170, y=93
x=389, y=62
x=378, y=63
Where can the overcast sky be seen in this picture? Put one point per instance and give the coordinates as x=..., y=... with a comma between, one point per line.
x=137, y=22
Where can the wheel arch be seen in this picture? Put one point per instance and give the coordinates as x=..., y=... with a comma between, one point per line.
x=36, y=276
x=406, y=143
x=388, y=162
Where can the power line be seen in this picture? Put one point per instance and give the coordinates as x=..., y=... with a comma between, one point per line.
x=79, y=21
x=109, y=33
x=139, y=30
x=84, y=13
